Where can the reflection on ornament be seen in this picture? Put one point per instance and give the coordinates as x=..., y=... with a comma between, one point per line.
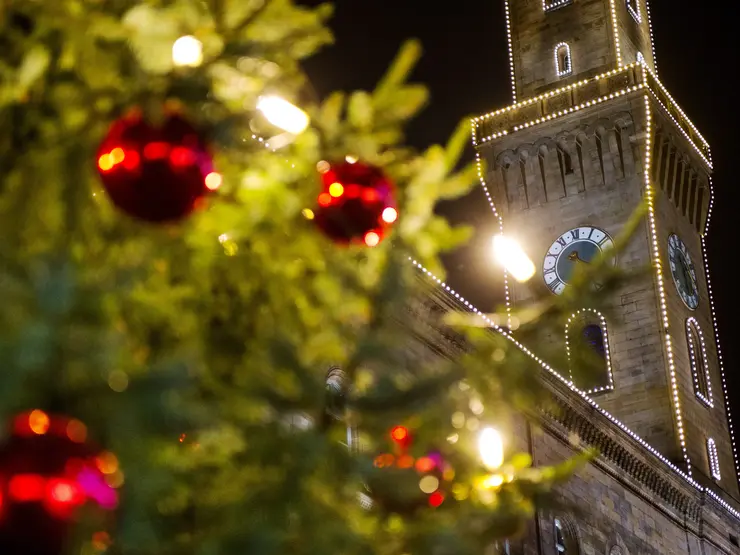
x=410, y=483
x=156, y=174
x=436, y=499
x=356, y=204
x=48, y=472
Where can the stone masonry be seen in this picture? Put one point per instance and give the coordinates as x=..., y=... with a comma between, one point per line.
x=587, y=148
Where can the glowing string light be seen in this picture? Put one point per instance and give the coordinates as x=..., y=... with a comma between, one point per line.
x=713, y=459
x=735, y=513
x=615, y=29
x=652, y=42
x=658, y=267
x=728, y=409
x=648, y=80
x=507, y=12
x=699, y=361
x=551, y=5
x=567, y=68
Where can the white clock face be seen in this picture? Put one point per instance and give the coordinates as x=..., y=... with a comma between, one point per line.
x=683, y=272
x=579, y=245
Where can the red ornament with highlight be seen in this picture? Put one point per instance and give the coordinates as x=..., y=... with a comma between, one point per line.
x=356, y=204
x=156, y=174
x=398, y=488
x=48, y=472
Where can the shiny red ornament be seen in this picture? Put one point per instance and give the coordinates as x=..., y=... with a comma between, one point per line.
x=356, y=203
x=436, y=499
x=396, y=485
x=48, y=472
x=156, y=173
x=401, y=437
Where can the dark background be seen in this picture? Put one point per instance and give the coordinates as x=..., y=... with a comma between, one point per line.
x=465, y=65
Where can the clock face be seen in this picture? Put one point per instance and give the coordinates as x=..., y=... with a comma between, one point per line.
x=580, y=245
x=683, y=272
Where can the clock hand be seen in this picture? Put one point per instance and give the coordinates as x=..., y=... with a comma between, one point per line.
x=688, y=278
x=574, y=257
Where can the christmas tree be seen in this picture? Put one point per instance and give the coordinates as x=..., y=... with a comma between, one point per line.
x=211, y=311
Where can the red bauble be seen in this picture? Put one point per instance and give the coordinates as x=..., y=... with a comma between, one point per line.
x=356, y=203
x=157, y=174
x=48, y=471
x=397, y=484
x=406, y=484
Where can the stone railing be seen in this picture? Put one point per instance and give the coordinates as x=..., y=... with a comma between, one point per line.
x=555, y=103
x=677, y=114
x=581, y=95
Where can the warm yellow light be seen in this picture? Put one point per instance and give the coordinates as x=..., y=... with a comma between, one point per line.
x=508, y=253
x=283, y=114
x=491, y=448
x=336, y=189
x=107, y=463
x=213, y=181
x=187, y=51
x=308, y=213
x=492, y=481
x=105, y=162
x=390, y=215
x=76, y=431
x=372, y=239
x=429, y=484
x=117, y=155
x=39, y=422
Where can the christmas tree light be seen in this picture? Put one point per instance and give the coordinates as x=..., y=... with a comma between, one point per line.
x=283, y=114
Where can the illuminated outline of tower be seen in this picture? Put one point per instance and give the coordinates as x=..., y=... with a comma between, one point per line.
x=592, y=134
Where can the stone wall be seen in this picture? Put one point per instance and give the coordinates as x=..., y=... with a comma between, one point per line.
x=634, y=35
x=587, y=27
x=587, y=169
x=535, y=33
x=603, y=190
x=610, y=513
x=701, y=421
x=628, y=499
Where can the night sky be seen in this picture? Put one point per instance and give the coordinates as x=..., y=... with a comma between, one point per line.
x=465, y=66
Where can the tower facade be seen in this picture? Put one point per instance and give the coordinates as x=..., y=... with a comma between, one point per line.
x=593, y=136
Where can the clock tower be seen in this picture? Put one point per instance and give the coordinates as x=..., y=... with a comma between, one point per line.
x=592, y=135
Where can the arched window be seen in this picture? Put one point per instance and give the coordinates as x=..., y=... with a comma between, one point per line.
x=565, y=537
x=698, y=359
x=563, y=61
x=550, y=5
x=560, y=546
x=713, y=459
x=587, y=345
x=633, y=7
